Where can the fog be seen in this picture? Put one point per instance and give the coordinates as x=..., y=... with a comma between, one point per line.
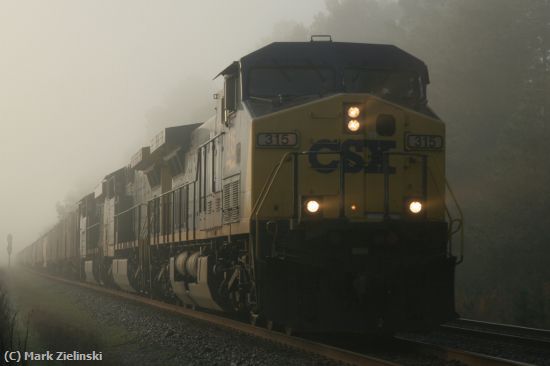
x=83, y=84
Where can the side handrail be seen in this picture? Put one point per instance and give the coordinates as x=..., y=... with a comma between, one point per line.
x=275, y=171
x=261, y=198
x=385, y=168
x=130, y=209
x=271, y=179
x=117, y=216
x=458, y=221
x=268, y=183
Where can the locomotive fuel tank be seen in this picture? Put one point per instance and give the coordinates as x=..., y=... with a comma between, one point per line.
x=189, y=276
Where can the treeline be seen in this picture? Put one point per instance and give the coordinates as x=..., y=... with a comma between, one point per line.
x=490, y=70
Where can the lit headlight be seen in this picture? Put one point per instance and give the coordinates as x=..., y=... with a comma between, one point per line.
x=354, y=125
x=312, y=206
x=415, y=207
x=354, y=112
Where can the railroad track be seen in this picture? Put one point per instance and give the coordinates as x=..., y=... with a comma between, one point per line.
x=465, y=357
x=342, y=355
x=502, y=332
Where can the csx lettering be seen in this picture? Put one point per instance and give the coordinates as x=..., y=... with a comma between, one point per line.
x=352, y=154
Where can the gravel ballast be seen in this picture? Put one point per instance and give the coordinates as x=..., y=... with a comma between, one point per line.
x=181, y=341
x=485, y=345
x=66, y=317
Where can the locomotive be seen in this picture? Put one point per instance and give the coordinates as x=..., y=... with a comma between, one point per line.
x=313, y=198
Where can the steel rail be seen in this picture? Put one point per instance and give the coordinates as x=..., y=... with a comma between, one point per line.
x=518, y=334
x=302, y=344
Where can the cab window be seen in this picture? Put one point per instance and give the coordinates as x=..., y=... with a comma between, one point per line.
x=231, y=89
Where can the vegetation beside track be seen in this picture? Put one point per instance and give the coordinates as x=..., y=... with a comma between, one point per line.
x=56, y=321
x=12, y=337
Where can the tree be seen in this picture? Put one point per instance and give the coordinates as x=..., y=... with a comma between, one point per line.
x=489, y=66
x=495, y=90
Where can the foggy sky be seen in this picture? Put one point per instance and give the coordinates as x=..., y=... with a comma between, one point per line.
x=77, y=79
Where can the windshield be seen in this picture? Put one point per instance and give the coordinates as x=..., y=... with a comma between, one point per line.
x=268, y=82
x=404, y=87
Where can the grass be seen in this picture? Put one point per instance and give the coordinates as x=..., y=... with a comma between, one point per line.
x=58, y=321
x=10, y=338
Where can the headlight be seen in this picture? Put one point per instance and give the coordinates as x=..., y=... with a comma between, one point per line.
x=354, y=125
x=312, y=206
x=415, y=207
x=354, y=112
x=353, y=118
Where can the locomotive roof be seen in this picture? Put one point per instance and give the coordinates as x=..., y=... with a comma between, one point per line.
x=332, y=54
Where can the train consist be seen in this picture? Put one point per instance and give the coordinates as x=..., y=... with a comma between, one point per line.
x=314, y=198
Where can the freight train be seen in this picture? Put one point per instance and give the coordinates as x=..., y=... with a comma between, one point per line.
x=313, y=198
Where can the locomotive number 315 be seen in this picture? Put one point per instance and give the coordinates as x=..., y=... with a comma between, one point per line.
x=424, y=142
x=276, y=139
